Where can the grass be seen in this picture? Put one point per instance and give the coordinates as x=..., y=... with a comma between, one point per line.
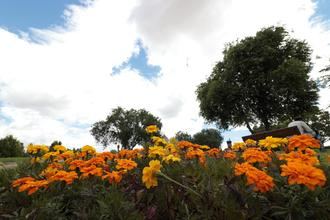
x=13, y=159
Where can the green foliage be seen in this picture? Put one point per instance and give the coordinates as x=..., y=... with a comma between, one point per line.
x=260, y=81
x=124, y=127
x=210, y=137
x=11, y=147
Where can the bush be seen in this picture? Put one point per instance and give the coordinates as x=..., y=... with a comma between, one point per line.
x=11, y=147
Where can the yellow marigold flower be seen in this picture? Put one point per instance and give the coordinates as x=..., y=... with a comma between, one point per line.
x=67, y=154
x=157, y=150
x=204, y=147
x=149, y=174
x=49, y=155
x=62, y=175
x=302, y=142
x=113, y=177
x=253, y=155
x=238, y=146
x=171, y=148
x=250, y=143
x=91, y=170
x=213, y=152
x=171, y=158
x=125, y=164
x=299, y=156
x=49, y=171
x=88, y=149
x=35, y=160
x=34, y=149
x=229, y=155
x=59, y=148
x=152, y=129
x=158, y=140
x=300, y=173
x=271, y=142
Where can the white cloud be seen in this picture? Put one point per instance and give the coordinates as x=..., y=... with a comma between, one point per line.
x=48, y=87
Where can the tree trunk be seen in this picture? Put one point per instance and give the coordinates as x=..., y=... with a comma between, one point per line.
x=249, y=127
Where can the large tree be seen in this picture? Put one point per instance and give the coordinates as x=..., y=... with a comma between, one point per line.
x=210, y=137
x=183, y=136
x=11, y=147
x=260, y=80
x=125, y=128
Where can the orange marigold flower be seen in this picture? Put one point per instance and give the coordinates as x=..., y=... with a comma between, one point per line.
x=213, y=152
x=21, y=181
x=152, y=129
x=256, y=177
x=91, y=170
x=242, y=168
x=300, y=173
x=253, y=155
x=113, y=177
x=97, y=161
x=48, y=172
x=33, y=186
x=302, y=142
x=107, y=155
x=125, y=164
x=229, y=155
x=260, y=180
x=50, y=155
x=128, y=154
x=62, y=175
x=184, y=144
x=76, y=164
x=299, y=156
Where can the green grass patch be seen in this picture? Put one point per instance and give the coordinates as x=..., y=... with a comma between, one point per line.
x=13, y=159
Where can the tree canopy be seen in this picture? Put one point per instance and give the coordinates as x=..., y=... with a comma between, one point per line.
x=210, y=137
x=183, y=136
x=261, y=80
x=11, y=147
x=124, y=127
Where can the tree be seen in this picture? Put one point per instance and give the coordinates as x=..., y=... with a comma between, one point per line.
x=210, y=137
x=320, y=122
x=260, y=81
x=125, y=128
x=11, y=147
x=183, y=136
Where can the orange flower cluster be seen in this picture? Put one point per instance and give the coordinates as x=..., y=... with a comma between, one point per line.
x=124, y=164
x=300, y=173
x=213, y=152
x=254, y=155
x=256, y=177
x=229, y=155
x=196, y=153
x=29, y=184
x=307, y=158
x=113, y=177
x=302, y=142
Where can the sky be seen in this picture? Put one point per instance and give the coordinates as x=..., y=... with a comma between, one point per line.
x=66, y=64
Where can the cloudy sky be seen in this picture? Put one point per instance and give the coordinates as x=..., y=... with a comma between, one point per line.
x=64, y=64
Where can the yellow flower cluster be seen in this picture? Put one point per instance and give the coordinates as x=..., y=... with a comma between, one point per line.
x=34, y=149
x=271, y=142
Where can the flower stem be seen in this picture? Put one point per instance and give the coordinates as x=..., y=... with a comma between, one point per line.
x=176, y=182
